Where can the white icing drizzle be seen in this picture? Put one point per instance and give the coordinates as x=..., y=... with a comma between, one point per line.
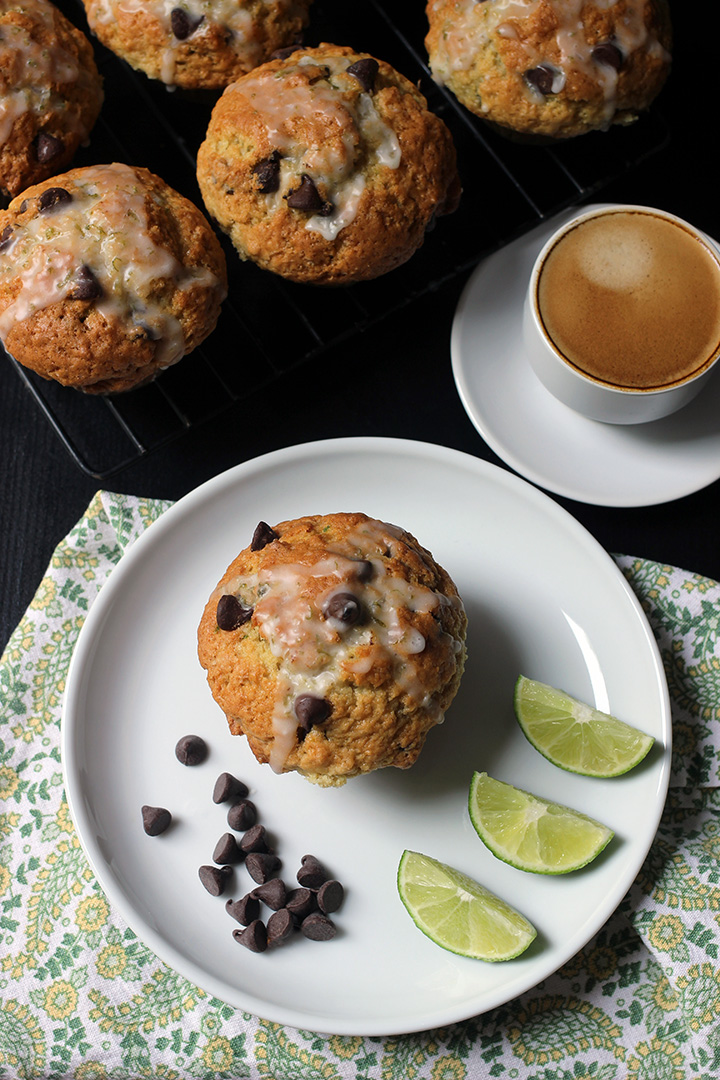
x=104, y=227
x=29, y=68
x=315, y=652
x=321, y=133
x=476, y=23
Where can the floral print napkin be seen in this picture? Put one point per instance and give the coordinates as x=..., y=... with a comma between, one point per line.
x=81, y=997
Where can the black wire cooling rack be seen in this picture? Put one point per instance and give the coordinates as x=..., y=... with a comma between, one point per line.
x=269, y=326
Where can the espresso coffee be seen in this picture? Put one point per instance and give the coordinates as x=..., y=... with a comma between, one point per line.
x=632, y=300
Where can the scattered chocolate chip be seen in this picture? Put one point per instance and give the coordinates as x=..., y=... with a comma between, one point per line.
x=344, y=607
x=227, y=850
x=267, y=173
x=273, y=893
x=300, y=902
x=253, y=937
x=242, y=815
x=254, y=840
x=608, y=54
x=330, y=896
x=48, y=147
x=245, y=910
x=231, y=613
x=227, y=787
x=365, y=71
x=191, y=750
x=311, y=710
x=262, y=865
x=318, y=927
x=541, y=78
x=364, y=570
x=215, y=878
x=53, y=197
x=262, y=536
x=156, y=819
x=311, y=874
x=280, y=926
x=23, y=206
x=87, y=286
x=282, y=54
x=308, y=198
x=6, y=237
x=183, y=24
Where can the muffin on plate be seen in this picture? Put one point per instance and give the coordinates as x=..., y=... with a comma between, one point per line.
x=107, y=276
x=326, y=166
x=50, y=92
x=551, y=68
x=334, y=643
x=196, y=44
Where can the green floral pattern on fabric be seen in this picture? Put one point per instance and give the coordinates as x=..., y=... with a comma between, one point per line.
x=81, y=997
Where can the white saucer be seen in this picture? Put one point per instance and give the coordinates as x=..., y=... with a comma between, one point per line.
x=544, y=440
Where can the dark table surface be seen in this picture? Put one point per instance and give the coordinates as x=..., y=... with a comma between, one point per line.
x=393, y=379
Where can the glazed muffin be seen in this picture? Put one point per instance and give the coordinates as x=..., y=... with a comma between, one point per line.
x=334, y=644
x=197, y=44
x=326, y=166
x=551, y=68
x=50, y=92
x=107, y=276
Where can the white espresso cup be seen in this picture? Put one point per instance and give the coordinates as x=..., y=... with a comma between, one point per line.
x=622, y=314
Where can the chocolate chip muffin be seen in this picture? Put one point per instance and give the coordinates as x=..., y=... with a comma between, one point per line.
x=107, y=276
x=50, y=92
x=326, y=166
x=550, y=68
x=334, y=643
x=197, y=44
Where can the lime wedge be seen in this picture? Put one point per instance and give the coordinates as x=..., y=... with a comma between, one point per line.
x=531, y=833
x=458, y=913
x=575, y=736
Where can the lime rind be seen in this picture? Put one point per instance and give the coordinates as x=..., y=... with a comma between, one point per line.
x=575, y=736
x=531, y=833
x=458, y=913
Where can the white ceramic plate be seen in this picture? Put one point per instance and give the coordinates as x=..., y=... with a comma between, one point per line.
x=544, y=440
x=542, y=598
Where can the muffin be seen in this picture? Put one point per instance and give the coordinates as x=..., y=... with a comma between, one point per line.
x=326, y=166
x=550, y=68
x=107, y=276
x=197, y=44
x=334, y=643
x=50, y=92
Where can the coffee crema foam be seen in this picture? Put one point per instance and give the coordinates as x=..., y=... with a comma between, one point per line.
x=632, y=299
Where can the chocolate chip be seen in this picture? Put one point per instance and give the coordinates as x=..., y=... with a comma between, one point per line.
x=215, y=878
x=242, y=815
x=253, y=937
x=183, y=24
x=227, y=850
x=311, y=710
x=301, y=902
x=53, y=197
x=156, y=819
x=227, y=787
x=330, y=896
x=267, y=173
x=191, y=750
x=87, y=286
x=254, y=840
x=312, y=874
x=245, y=910
x=608, y=54
x=280, y=926
x=282, y=54
x=318, y=927
x=365, y=71
x=262, y=536
x=6, y=237
x=273, y=893
x=231, y=613
x=344, y=607
x=262, y=866
x=541, y=78
x=48, y=147
x=308, y=198
x=364, y=570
